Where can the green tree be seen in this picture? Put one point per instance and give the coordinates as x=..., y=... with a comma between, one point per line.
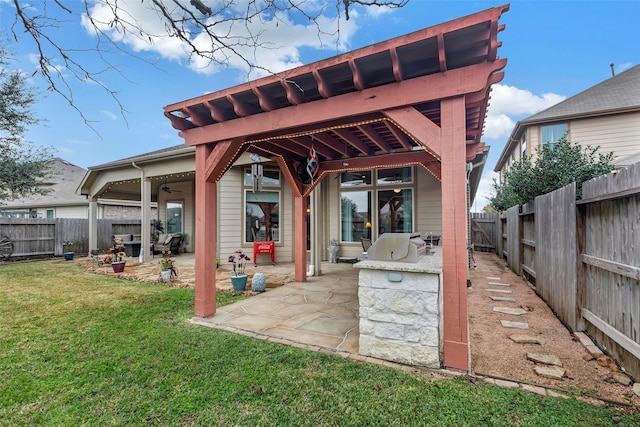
x=22, y=166
x=555, y=166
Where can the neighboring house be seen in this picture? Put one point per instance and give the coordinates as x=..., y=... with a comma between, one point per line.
x=605, y=115
x=62, y=201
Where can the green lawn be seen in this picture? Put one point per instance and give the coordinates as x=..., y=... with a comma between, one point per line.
x=83, y=349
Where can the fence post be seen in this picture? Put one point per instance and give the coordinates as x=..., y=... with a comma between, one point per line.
x=580, y=267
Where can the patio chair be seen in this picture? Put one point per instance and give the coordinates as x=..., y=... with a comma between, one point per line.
x=170, y=244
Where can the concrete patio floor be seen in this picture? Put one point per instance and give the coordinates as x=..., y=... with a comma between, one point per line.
x=321, y=312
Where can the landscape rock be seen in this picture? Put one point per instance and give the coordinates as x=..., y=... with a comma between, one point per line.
x=588, y=357
x=636, y=389
x=621, y=378
x=551, y=372
x=546, y=359
x=527, y=339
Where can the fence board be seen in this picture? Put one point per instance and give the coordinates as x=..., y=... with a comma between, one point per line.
x=611, y=263
x=556, y=250
x=512, y=243
x=528, y=241
x=33, y=237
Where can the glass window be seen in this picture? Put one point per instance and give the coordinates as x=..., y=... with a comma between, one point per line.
x=270, y=178
x=50, y=214
x=356, y=215
x=551, y=134
x=355, y=179
x=394, y=176
x=262, y=216
x=523, y=145
x=174, y=217
x=395, y=211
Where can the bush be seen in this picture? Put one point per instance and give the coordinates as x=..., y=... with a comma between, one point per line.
x=555, y=166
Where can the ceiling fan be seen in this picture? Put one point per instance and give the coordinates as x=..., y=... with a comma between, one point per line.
x=166, y=188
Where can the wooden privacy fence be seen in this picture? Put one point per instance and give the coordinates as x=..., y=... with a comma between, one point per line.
x=35, y=237
x=584, y=258
x=484, y=231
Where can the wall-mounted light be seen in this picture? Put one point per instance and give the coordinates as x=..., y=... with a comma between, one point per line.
x=396, y=190
x=368, y=224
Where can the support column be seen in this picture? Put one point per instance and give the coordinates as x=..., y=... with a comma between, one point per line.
x=300, y=238
x=93, y=224
x=454, y=230
x=316, y=250
x=145, y=199
x=205, y=237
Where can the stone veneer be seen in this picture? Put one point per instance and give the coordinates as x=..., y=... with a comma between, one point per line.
x=400, y=320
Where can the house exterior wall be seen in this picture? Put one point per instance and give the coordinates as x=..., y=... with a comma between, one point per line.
x=619, y=133
x=427, y=210
x=231, y=214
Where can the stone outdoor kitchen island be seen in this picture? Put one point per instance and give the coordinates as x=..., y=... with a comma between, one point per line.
x=400, y=300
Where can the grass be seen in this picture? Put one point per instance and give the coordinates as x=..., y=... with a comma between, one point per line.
x=83, y=349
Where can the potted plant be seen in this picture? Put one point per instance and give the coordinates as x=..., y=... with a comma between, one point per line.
x=116, y=256
x=67, y=249
x=239, y=278
x=166, y=268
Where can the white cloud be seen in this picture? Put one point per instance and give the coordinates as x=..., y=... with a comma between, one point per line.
x=485, y=191
x=624, y=67
x=509, y=103
x=109, y=115
x=280, y=37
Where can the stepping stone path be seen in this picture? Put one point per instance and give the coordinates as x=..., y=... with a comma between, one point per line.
x=552, y=372
x=498, y=284
x=509, y=310
x=527, y=339
x=517, y=325
x=495, y=298
x=552, y=365
x=545, y=359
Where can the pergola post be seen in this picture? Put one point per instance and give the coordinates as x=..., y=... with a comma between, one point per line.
x=454, y=239
x=205, y=236
x=300, y=239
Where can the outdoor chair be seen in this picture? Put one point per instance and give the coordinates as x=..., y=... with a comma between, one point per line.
x=171, y=244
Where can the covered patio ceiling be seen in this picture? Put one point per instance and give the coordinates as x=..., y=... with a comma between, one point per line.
x=353, y=109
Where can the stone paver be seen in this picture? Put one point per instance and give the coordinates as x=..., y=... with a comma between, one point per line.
x=551, y=372
x=501, y=291
x=527, y=339
x=545, y=359
x=516, y=325
x=509, y=310
x=495, y=298
x=498, y=284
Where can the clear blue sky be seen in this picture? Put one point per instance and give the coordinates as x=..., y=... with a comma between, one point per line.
x=555, y=49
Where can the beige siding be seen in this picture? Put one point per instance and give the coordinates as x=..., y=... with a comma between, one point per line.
x=231, y=226
x=67, y=212
x=619, y=134
x=428, y=204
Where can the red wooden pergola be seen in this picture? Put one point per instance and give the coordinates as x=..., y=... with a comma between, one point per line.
x=419, y=99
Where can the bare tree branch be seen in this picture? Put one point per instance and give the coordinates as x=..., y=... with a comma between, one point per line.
x=227, y=33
